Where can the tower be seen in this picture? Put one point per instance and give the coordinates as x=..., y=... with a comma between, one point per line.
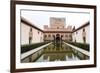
x=57, y=23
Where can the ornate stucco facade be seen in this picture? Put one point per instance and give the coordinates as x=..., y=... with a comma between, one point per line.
x=56, y=30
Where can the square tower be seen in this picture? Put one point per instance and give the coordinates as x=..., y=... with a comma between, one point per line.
x=57, y=23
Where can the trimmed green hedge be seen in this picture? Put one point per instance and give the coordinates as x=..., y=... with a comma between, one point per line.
x=25, y=48
x=80, y=45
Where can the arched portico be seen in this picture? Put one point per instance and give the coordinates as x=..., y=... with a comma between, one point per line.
x=57, y=38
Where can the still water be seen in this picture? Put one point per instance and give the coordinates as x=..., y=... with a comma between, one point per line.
x=55, y=52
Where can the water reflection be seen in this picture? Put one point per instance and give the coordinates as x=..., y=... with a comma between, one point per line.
x=56, y=52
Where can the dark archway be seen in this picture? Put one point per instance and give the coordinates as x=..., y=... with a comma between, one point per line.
x=58, y=38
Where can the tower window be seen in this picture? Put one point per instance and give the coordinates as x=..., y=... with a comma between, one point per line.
x=57, y=27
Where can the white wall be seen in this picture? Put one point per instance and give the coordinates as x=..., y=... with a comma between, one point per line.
x=87, y=34
x=36, y=38
x=79, y=37
x=24, y=34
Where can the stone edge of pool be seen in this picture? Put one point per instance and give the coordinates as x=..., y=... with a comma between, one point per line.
x=24, y=55
x=79, y=49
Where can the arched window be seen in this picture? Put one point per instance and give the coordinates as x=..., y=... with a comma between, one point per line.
x=45, y=35
x=84, y=35
x=31, y=29
x=53, y=35
x=49, y=35
x=61, y=35
x=83, y=29
x=84, y=39
x=30, y=35
x=58, y=37
x=38, y=32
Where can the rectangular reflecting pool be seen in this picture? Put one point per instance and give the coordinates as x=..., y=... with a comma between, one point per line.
x=55, y=52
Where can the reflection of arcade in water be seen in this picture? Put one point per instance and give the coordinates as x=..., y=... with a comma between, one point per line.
x=55, y=52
